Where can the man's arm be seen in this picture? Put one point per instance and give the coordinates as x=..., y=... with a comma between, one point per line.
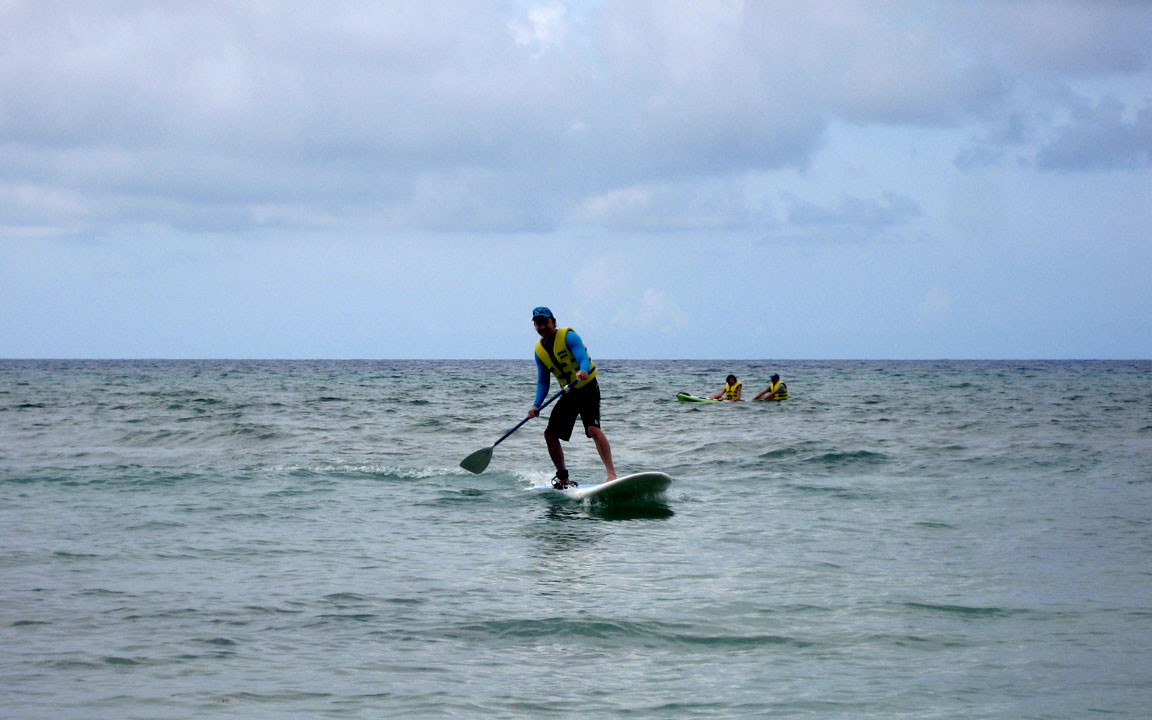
x=541, y=383
x=579, y=352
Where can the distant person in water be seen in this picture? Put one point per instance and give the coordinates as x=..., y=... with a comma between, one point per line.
x=562, y=352
x=777, y=390
x=730, y=391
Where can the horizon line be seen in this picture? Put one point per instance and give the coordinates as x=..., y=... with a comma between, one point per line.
x=529, y=360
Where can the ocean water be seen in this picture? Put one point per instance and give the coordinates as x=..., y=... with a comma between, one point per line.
x=190, y=539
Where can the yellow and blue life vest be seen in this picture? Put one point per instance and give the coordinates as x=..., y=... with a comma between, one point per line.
x=730, y=390
x=782, y=393
x=558, y=358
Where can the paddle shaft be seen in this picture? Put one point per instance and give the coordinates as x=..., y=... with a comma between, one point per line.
x=544, y=405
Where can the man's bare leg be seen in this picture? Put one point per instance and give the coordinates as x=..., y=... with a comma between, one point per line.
x=604, y=449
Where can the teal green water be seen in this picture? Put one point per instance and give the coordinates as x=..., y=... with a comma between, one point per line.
x=295, y=539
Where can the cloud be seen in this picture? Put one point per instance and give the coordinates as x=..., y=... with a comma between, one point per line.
x=1053, y=39
x=670, y=207
x=492, y=117
x=610, y=295
x=474, y=200
x=542, y=28
x=1101, y=138
x=992, y=147
x=657, y=309
x=864, y=214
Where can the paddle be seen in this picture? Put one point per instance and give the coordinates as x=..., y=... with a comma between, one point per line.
x=477, y=461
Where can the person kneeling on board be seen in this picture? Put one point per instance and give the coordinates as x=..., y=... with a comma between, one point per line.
x=777, y=390
x=562, y=352
x=730, y=391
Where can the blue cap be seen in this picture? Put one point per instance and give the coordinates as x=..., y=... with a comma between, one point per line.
x=542, y=312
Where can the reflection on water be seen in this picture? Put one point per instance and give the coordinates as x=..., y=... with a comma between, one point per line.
x=647, y=508
x=653, y=511
x=563, y=528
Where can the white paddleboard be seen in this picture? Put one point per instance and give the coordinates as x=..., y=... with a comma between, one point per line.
x=626, y=487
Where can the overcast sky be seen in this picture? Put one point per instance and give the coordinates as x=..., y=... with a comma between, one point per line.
x=676, y=179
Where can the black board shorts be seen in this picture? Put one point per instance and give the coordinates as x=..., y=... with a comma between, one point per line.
x=584, y=402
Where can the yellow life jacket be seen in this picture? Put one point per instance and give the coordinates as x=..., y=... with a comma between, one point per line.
x=558, y=358
x=782, y=394
x=730, y=390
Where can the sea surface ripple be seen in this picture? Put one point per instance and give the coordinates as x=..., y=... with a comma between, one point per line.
x=274, y=539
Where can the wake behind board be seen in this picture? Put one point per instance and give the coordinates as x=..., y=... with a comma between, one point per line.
x=685, y=397
x=627, y=487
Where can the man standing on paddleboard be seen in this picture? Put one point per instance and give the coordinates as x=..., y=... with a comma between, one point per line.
x=560, y=351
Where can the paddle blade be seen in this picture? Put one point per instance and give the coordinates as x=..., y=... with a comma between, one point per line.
x=477, y=461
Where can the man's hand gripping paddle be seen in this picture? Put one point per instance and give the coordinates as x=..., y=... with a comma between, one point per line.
x=477, y=461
